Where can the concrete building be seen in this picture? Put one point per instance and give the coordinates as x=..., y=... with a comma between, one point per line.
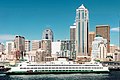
x=82, y=19
x=40, y=55
x=67, y=49
x=73, y=32
x=48, y=34
x=90, y=40
x=2, y=47
x=56, y=47
x=27, y=45
x=36, y=44
x=99, y=48
x=46, y=46
x=104, y=31
x=10, y=46
x=31, y=56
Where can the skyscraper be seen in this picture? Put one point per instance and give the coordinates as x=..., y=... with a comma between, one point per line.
x=104, y=31
x=48, y=34
x=90, y=40
x=20, y=43
x=20, y=46
x=72, y=32
x=81, y=31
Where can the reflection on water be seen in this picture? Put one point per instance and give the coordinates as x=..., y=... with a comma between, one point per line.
x=111, y=76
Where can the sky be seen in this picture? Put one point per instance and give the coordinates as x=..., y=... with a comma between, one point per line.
x=29, y=18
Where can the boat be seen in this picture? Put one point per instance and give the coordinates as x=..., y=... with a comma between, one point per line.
x=57, y=67
x=4, y=69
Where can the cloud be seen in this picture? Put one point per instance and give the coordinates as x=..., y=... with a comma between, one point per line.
x=117, y=29
x=5, y=37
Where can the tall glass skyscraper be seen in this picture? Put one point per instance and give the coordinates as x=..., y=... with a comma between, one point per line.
x=81, y=31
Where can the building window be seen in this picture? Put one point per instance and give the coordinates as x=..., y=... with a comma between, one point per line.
x=82, y=14
x=46, y=37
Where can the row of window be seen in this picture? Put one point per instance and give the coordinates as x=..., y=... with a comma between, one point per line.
x=62, y=65
x=62, y=68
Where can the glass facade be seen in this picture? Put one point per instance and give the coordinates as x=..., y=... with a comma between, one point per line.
x=82, y=37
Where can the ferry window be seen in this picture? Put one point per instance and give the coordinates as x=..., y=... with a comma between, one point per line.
x=35, y=68
x=27, y=68
x=24, y=68
x=39, y=67
x=82, y=67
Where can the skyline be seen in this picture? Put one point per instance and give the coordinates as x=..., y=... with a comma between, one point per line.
x=33, y=16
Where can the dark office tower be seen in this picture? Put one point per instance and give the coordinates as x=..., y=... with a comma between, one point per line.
x=104, y=31
x=73, y=32
x=20, y=46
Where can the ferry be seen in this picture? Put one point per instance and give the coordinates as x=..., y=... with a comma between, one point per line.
x=57, y=67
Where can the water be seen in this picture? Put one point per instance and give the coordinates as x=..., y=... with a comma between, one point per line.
x=115, y=75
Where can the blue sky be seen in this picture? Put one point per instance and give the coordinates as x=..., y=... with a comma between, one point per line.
x=30, y=17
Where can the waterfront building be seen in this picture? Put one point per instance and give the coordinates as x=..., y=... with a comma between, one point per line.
x=48, y=34
x=90, y=40
x=13, y=55
x=46, y=46
x=31, y=56
x=27, y=45
x=116, y=55
x=99, y=48
x=2, y=47
x=36, y=44
x=10, y=46
x=56, y=46
x=49, y=59
x=73, y=32
x=104, y=31
x=67, y=49
x=82, y=31
x=40, y=55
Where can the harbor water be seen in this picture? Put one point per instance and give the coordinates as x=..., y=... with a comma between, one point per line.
x=114, y=75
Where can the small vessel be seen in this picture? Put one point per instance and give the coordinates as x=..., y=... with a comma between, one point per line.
x=57, y=67
x=4, y=69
